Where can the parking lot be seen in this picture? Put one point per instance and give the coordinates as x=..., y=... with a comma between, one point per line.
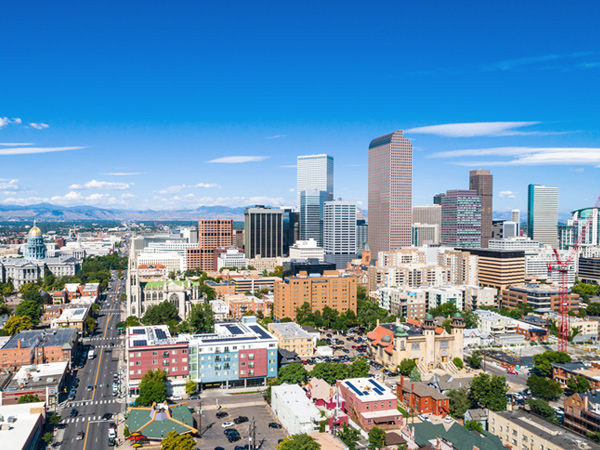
x=212, y=430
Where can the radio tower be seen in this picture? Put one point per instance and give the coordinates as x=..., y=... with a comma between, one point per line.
x=562, y=267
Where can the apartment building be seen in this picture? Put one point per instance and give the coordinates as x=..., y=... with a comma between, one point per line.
x=422, y=398
x=212, y=233
x=404, y=302
x=538, y=296
x=410, y=275
x=499, y=268
x=292, y=337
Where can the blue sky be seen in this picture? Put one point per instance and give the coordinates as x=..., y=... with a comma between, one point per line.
x=170, y=105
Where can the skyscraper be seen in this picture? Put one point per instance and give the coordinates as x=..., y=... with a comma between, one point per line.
x=212, y=233
x=428, y=215
x=290, y=229
x=482, y=182
x=461, y=219
x=263, y=232
x=315, y=172
x=437, y=199
x=542, y=214
x=311, y=215
x=339, y=232
x=390, y=192
x=515, y=215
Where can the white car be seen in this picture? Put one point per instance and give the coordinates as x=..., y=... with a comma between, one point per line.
x=112, y=433
x=423, y=418
x=227, y=424
x=176, y=398
x=448, y=419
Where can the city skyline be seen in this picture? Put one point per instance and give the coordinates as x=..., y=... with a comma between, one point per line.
x=198, y=113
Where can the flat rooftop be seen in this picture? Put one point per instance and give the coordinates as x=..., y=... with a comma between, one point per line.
x=40, y=375
x=368, y=389
x=56, y=337
x=290, y=330
x=20, y=430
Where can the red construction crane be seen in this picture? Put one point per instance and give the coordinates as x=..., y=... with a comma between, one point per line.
x=562, y=267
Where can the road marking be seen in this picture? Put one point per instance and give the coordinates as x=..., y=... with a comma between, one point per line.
x=99, y=361
x=86, y=435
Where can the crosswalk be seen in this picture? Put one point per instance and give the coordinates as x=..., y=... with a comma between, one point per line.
x=82, y=419
x=92, y=402
x=100, y=339
x=108, y=346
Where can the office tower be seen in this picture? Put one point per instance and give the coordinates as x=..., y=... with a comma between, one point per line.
x=481, y=181
x=461, y=219
x=311, y=215
x=425, y=233
x=542, y=214
x=339, y=232
x=390, y=192
x=263, y=232
x=362, y=234
x=515, y=215
x=290, y=229
x=511, y=229
x=437, y=199
x=315, y=172
x=212, y=233
x=430, y=215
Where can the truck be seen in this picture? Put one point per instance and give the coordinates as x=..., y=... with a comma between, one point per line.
x=91, y=354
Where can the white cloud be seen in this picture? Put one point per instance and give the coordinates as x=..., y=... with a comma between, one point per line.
x=528, y=156
x=12, y=144
x=11, y=186
x=127, y=196
x=94, y=184
x=237, y=159
x=508, y=194
x=291, y=190
x=178, y=188
x=123, y=174
x=70, y=199
x=277, y=136
x=511, y=64
x=6, y=121
x=39, y=126
x=31, y=150
x=191, y=201
x=475, y=129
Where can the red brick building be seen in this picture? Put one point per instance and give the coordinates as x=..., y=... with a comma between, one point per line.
x=421, y=398
x=212, y=233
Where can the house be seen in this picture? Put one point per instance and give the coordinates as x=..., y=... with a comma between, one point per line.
x=421, y=398
x=319, y=391
x=156, y=421
x=475, y=338
x=447, y=382
x=451, y=437
x=582, y=413
x=589, y=370
x=478, y=415
x=287, y=357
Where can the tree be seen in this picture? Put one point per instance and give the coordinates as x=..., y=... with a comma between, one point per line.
x=469, y=318
x=28, y=398
x=299, y=442
x=358, y=369
x=95, y=309
x=489, y=392
x=160, y=314
x=91, y=324
x=460, y=401
x=131, y=321
x=473, y=425
x=330, y=372
x=293, y=373
x=445, y=309
x=176, y=441
x=54, y=419
x=17, y=323
x=544, y=387
x=153, y=388
x=190, y=387
x=5, y=309
x=458, y=363
x=542, y=408
x=349, y=436
x=30, y=308
x=579, y=384
x=201, y=318
x=415, y=375
x=543, y=361
x=406, y=366
x=48, y=437
x=377, y=437
x=474, y=360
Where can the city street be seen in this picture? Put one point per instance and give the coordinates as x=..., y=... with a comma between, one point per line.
x=98, y=373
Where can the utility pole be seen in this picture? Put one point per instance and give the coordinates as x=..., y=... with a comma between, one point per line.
x=252, y=435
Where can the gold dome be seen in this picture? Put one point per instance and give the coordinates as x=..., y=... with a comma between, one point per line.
x=35, y=231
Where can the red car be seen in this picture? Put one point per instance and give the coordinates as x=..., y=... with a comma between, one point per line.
x=513, y=372
x=304, y=362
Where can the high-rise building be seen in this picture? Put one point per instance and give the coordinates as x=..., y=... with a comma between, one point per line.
x=430, y=215
x=482, y=182
x=362, y=235
x=511, y=229
x=339, y=232
x=263, y=232
x=461, y=219
x=515, y=216
x=424, y=233
x=390, y=192
x=542, y=214
x=212, y=233
x=290, y=229
x=311, y=214
x=315, y=172
x=437, y=199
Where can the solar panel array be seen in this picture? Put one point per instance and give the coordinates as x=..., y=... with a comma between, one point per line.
x=234, y=329
x=262, y=333
x=354, y=388
x=378, y=388
x=138, y=331
x=141, y=343
x=160, y=334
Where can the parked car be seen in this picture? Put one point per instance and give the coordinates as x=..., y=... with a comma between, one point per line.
x=240, y=419
x=227, y=424
x=513, y=372
x=112, y=433
x=176, y=398
x=112, y=425
x=274, y=425
x=423, y=417
x=111, y=442
x=222, y=414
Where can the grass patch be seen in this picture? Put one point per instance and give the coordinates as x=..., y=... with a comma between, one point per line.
x=403, y=411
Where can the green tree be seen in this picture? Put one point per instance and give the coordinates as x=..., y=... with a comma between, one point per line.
x=458, y=363
x=293, y=373
x=95, y=309
x=48, y=437
x=475, y=359
x=545, y=388
x=594, y=436
x=542, y=408
x=130, y=321
x=91, y=324
x=153, y=388
x=30, y=308
x=28, y=398
x=406, y=366
x=377, y=437
x=579, y=384
x=330, y=372
x=543, y=362
x=176, y=441
x=5, y=309
x=473, y=425
x=299, y=442
x=201, y=318
x=460, y=401
x=489, y=392
x=445, y=310
x=17, y=323
x=469, y=318
x=349, y=436
x=54, y=419
x=415, y=375
x=160, y=314
x=191, y=387
x=329, y=316
x=358, y=369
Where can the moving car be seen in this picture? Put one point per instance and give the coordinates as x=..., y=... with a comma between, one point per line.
x=89, y=388
x=274, y=425
x=513, y=372
x=107, y=416
x=74, y=412
x=80, y=435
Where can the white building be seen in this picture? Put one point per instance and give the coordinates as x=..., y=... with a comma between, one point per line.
x=511, y=229
x=536, y=265
x=315, y=172
x=294, y=409
x=232, y=258
x=474, y=297
x=220, y=309
x=23, y=270
x=542, y=214
x=173, y=262
x=307, y=250
x=22, y=425
x=515, y=243
x=494, y=323
x=438, y=296
x=429, y=215
x=339, y=232
x=423, y=233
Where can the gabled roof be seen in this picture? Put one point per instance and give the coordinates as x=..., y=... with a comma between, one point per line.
x=461, y=438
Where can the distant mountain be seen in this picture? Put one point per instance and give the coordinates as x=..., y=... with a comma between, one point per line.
x=56, y=213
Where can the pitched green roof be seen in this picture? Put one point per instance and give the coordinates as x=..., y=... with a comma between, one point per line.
x=461, y=438
x=181, y=421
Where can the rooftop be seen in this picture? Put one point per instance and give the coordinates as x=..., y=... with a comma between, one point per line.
x=38, y=375
x=149, y=335
x=368, y=389
x=62, y=337
x=27, y=416
x=290, y=330
x=73, y=314
x=294, y=395
x=459, y=436
x=422, y=390
x=157, y=421
x=246, y=331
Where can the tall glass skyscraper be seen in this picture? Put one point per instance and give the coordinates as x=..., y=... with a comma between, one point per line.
x=482, y=182
x=339, y=232
x=315, y=172
x=542, y=214
x=461, y=219
x=390, y=192
x=311, y=214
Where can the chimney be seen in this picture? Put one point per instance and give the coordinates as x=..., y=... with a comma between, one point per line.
x=18, y=343
x=412, y=386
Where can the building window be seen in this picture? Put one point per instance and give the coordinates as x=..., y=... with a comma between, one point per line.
x=184, y=351
x=154, y=353
x=173, y=352
x=155, y=361
x=138, y=363
x=174, y=360
x=183, y=359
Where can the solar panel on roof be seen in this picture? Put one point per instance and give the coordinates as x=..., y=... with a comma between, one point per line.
x=234, y=329
x=354, y=388
x=138, y=331
x=258, y=330
x=160, y=334
x=377, y=386
x=140, y=343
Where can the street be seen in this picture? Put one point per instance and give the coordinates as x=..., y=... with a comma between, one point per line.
x=98, y=373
